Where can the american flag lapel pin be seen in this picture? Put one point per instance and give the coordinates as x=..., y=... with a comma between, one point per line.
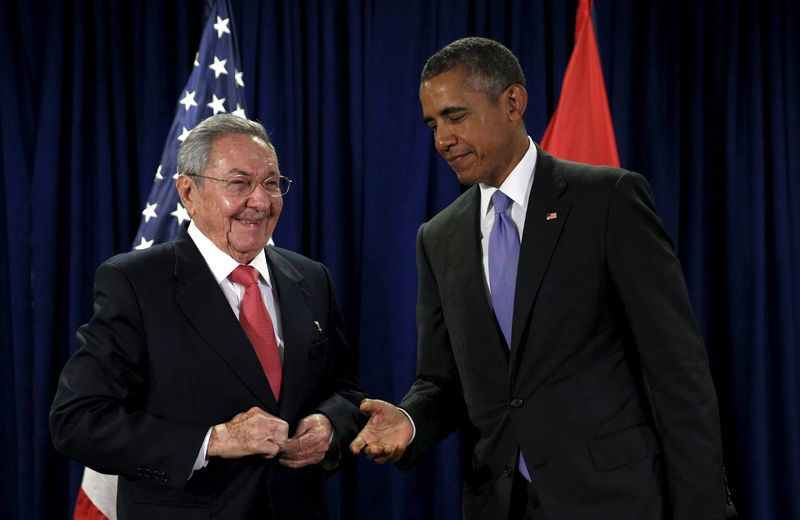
x=551, y=216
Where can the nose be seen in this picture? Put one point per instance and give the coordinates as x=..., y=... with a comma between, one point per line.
x=259, y=198
x=444, y=138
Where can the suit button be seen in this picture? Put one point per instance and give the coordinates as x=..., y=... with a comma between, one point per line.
x=507, y=471
x=517, y=403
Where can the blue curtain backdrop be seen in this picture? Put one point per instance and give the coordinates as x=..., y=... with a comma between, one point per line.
x=705, y=98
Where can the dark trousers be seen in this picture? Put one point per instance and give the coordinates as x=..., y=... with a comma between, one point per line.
x=525, y=503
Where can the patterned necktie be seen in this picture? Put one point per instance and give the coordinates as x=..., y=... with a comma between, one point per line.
x=257, y=325
x=503, y=260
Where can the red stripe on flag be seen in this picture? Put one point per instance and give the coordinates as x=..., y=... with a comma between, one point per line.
x=581, y=128
x=85, y=508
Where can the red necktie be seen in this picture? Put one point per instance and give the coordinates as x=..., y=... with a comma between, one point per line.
x=257, y=325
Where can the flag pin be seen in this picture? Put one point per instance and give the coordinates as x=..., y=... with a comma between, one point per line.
x=552, y=216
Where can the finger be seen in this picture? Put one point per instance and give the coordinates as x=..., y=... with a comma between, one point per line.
x=303, y=427
x=357, y=445
x=299, y=463
x=372, y=405
x=291, y=446
x=270, y=450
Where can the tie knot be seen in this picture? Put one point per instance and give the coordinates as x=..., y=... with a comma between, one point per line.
x=500, y=201
x=244, y=275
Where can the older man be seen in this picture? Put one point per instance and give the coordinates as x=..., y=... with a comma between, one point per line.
x=213, y=377
x=552, y=313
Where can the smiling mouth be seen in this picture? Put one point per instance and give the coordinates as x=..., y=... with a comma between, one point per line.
x=452, y=159
x=251, y=221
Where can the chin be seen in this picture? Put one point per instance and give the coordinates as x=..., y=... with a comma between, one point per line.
x=466, y=178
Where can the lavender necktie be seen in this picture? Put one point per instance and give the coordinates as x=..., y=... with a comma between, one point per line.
x=503, y=260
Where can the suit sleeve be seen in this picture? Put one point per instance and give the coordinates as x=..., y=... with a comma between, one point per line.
x=98, y=415
x=435, y=401
x=668, y=341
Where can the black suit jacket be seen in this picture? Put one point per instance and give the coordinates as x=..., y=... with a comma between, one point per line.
x=164, y=358
x=606, y=388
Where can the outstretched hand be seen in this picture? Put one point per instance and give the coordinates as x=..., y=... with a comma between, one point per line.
x=387, y=433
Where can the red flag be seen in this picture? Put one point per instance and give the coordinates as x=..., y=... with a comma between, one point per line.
x=581, y=128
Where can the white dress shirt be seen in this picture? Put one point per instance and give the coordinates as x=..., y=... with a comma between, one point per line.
x=517, y=187
x=221, y=266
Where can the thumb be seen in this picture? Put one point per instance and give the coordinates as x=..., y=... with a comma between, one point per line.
x=373, y=406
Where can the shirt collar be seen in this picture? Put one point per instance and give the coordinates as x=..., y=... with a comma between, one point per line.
x=220, y=263
x=517, y=185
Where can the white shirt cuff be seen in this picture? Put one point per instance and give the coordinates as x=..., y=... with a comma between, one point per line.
x=202, y=458
x=413, y=426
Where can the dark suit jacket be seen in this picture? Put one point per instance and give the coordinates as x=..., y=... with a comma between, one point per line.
x=164, y=358
x=606, y=388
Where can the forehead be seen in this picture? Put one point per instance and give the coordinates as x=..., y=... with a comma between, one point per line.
x=447, y=91
x=241, y=149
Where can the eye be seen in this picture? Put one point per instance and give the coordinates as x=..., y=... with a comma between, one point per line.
x=272, y=182
x=238, y=183
x=457, y=118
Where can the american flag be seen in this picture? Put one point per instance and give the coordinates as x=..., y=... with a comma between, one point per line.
x=215, y=85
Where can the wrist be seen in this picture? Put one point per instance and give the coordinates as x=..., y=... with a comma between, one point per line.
x=221, y=432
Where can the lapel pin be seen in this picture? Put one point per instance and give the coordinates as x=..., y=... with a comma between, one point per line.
x=551, y=216
x=319, y=329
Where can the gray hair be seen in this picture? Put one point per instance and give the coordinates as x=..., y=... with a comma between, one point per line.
x=194, y=150
x=489, y=66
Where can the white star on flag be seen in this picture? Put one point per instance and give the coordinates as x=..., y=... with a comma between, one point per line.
x=218, y=67
x=180, y=213
x=150, y=211
x=214, y=88
x=184, y=134
x=144, y=244
x=239, y=111
x=222, y=26
x=216, y=105
x=188, y=100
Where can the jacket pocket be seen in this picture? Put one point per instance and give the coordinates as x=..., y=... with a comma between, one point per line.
x=623, y=447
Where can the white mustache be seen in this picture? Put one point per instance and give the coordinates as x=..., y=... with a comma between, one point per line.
x=254, y=216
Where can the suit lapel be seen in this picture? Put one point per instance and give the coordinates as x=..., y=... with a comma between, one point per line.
x=467, y=265
x=206, y=308
x=544, y=221
x=296, y=327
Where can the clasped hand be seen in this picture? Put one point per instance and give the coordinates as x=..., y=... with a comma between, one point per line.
x=256, y=432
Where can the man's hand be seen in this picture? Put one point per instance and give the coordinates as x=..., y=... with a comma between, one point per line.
x=387, y=433
x=310, y=442
x=254, y=432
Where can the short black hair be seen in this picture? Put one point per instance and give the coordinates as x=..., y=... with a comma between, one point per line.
x=489, y=66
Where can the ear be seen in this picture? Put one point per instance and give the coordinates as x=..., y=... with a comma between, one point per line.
x=516, y=99
x=186, y=190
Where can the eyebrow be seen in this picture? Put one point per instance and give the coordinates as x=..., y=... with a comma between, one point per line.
x=446, y=112
x=236, y=171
